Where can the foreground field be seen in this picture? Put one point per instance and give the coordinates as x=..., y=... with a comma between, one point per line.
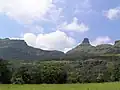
x=105, y=86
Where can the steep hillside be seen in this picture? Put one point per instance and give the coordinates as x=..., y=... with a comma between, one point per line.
x=19, y=50
x=81, y=51
x=86, y=50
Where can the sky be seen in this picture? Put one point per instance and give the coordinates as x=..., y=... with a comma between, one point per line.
x=60, y=24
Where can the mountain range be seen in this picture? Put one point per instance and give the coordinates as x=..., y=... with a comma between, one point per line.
x=19, y=50
x=85, y=49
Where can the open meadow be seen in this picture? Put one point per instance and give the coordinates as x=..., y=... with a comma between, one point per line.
x=101, y=86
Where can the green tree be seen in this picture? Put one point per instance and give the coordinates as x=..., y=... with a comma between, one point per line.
x=5, y=73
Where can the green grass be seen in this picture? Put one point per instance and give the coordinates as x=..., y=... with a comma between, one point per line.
x=105, y=86
x=110, y=55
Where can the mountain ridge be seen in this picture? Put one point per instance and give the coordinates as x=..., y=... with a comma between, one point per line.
x=18, y=49
x=85, y=49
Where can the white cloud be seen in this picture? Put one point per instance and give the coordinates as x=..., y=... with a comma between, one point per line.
x=30, y=39
x=83, y=7
x=14, y=38
x=26, y=10
x=33, y=29
x=113, y=13
x=32, y=14
x=74, y=26
x=54, y=15
x=67, y=49
x=86, y=4
x=52, y=41
x=101, y=40
x=59, y=1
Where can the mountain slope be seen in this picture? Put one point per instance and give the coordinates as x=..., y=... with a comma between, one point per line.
x=81, y=51
x=19, y=50
x=86, y=50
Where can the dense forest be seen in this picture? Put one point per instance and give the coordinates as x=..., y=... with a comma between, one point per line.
x=83, y=64
x=59, y=72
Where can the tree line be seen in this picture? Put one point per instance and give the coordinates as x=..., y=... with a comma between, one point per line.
x=60, y=72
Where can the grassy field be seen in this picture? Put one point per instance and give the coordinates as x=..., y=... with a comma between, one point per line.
x=105, y=86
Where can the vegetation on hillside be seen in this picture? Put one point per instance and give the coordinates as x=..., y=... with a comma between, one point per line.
x=83, y=64
x=19, y=50
x=60, y=72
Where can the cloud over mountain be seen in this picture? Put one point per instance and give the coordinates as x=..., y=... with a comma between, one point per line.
x=57, y=40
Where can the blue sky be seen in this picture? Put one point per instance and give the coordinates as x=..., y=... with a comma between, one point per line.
x=60, y=24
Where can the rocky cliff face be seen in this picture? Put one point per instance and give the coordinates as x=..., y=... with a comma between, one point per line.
x=85, y=42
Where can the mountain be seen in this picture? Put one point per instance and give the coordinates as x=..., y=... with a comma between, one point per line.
x=84, y=47
x=19, y=50
x=117, y=47
x=86, y=50
x=85, y=42
x=81, y=50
